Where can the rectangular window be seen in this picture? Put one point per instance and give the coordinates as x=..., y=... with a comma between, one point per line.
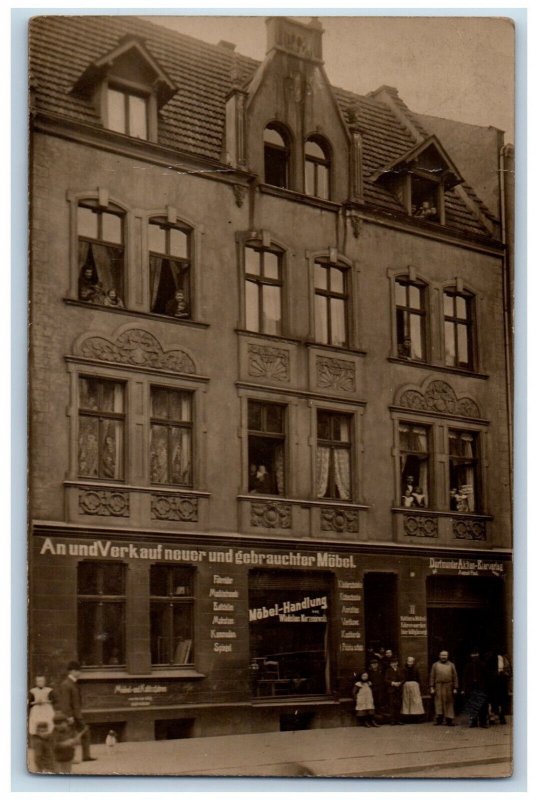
x=263, y=291
x=414, y=465
x=171, y=437
x=100, y=429
x=100, y=255
x=171, y=614
x=463, y=467
x=266, y=445
x=458, y=310
x=289, y=652
x=101, y=614
x=333, y=456
x=127, y=113
x=410, y=320
x=330, y=304
x=169, y=263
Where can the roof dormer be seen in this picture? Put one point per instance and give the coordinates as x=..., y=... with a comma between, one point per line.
x=420, y=178
x=128, y=86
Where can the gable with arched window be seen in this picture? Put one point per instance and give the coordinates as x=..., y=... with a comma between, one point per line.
x=276, y=155
x=317, y=168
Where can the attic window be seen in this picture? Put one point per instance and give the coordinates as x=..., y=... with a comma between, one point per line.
x=127, y=113
x=425, y=200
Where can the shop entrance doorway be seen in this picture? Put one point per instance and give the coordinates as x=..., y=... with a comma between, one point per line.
x=381, y=611
x=465, y=613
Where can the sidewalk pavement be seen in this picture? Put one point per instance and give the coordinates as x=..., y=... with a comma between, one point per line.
x=422, y=750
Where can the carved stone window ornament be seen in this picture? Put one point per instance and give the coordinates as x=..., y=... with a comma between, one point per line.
x=138, y=348
x=270, y=515
x=271, y=363
x=437, y=397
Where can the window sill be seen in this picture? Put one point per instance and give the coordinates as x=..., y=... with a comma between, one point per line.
x=353, y=351
x=187, y=673
x=298, y=197
x=273, y=336
x=430, y=512
x=438, y=367
x=277, y=498
x=135, y=312
x=84, y=483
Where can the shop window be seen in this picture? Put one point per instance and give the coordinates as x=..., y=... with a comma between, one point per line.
x=414, y=465
x=317, y=169
x=266, y=448
x=171, y=614
x=410, y=319
x=171, y=437
x=169, y=264
x=463, y=468
x=101, y=424
x=289, y=633
x=333, y=455
x=100, y=255
x=127, y=112
x=263, y=290
x=101, y=614
x=458, y=312
x=276, y=156
x=331, y=298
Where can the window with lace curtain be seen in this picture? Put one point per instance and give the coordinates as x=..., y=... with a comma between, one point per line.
x=171, y=437
x=101, y=429
x=100, y=255
x=414, y=465
x=463, y=471
x=169, y=265
x=266, y=448
x=333, y=455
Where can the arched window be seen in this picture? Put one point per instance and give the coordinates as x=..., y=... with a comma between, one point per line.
x=169, y=264
x=316, y=169
x=459, y=324
x=276, y=154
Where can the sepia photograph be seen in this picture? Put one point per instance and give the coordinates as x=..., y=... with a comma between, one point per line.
x=271, y=323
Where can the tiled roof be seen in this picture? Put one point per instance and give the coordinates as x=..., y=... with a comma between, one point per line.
x=62, y=47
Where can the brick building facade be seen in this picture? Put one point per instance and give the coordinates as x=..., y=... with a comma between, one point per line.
x=270, y=380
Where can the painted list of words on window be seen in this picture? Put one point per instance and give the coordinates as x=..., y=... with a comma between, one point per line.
x=223, y=596
x=349, y=599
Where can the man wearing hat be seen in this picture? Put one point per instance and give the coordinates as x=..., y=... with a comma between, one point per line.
x=394, y=678
x=70, y=704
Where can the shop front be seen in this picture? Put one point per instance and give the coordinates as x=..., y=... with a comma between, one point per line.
x=179, y=640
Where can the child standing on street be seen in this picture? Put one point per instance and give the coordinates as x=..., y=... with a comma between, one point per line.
x=364, y=702
x=111, y=741
x=64, y=742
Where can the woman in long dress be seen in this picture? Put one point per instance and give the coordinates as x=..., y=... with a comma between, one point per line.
x=412, y=706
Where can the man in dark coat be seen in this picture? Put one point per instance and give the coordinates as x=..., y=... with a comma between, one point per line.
x=394, y=679
x=475, y=690
x=378, y=686
x=69, y=703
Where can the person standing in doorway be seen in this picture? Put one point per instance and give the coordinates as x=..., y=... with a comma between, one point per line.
x=412, y=707
x=394, y=679
x=70, y=704
x=475, y=690
x=443, y=686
